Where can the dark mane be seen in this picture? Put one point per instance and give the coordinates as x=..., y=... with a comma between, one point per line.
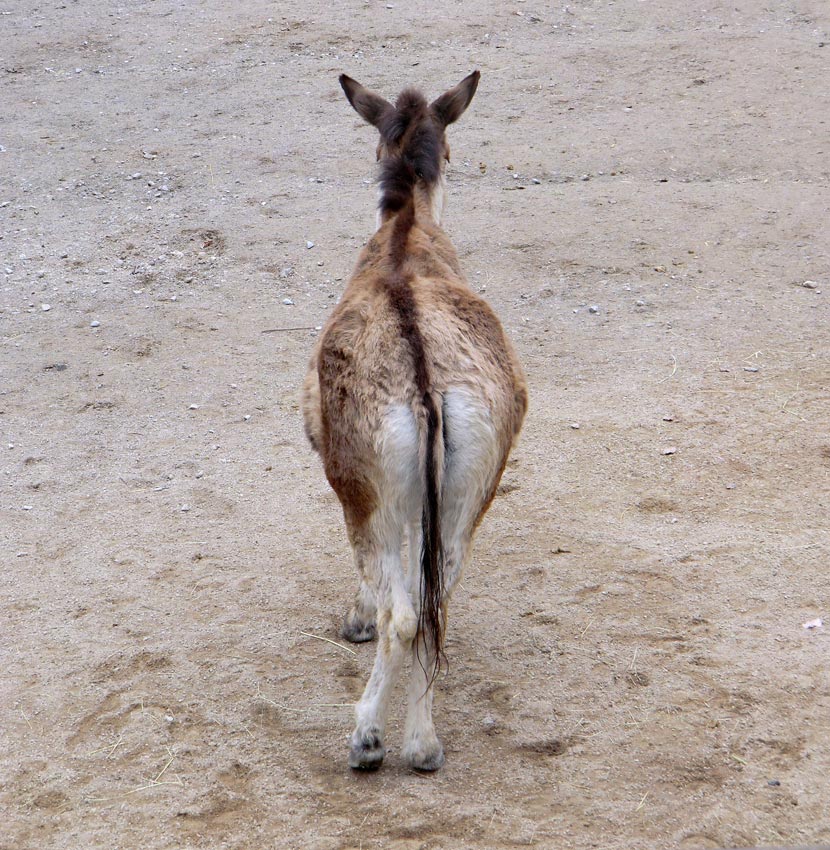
x=411, y=129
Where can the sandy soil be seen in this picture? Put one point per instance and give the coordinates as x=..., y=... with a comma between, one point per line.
x=628, y=663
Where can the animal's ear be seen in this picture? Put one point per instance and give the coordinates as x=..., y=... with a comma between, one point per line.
x=368, y=105
x=451, y=105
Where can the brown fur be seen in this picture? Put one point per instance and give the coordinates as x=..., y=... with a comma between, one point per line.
x=460, y=324
x=407, y=331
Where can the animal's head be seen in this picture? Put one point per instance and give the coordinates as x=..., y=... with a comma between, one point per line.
x=413, y=143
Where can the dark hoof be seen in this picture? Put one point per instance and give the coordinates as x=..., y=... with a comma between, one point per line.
x=356, y=631
x=430, y=763
x=367, y=754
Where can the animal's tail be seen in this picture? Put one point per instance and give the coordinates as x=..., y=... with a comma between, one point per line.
x=431, y=617
x=402, y=297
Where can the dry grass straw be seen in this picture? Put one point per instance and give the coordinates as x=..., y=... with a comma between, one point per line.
x=788, y=399
x=328, y=640
x=281, y=330
x=110, y=748
x=155, y=782
x=673, y=371
x=300, y=710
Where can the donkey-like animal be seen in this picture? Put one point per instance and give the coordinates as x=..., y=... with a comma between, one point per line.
x=413, y=398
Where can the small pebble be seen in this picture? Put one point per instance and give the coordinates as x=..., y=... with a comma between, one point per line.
x=750, y=368
x=575, y=426
x=774, y=783
x=535, y=180
x=247, y=417
x=640, y=302
x=669, y=451
x=668, y=418
x=200, y=474
x=594, y=308
x=287, y=301
x=489, y=723
x=193, y=407
x=309, y=245
x=185, y=508
x=46, y=307
x=809, y=284
x=95, y=324
x=730, y=486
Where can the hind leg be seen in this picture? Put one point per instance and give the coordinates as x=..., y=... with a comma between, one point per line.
x=396, y=625
x=377, y=543
x=359, y=624
x=421, y=748
x=473, y=463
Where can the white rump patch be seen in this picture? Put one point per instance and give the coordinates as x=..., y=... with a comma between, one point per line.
x=399, y=454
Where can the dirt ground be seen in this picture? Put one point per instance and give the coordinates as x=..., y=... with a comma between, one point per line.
x=642, y=191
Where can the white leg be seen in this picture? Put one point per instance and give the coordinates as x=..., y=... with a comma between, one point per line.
x=421, y=749
x=397, y=624
x=367, y=750
x=472, y=463
x=380, y=557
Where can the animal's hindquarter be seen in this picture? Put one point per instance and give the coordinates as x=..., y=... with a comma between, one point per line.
x=369, y=429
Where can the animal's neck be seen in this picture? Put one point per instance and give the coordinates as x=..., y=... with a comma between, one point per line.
x=428, y=201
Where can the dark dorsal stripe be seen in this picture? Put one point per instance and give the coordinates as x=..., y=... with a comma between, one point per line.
x=411, y=131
